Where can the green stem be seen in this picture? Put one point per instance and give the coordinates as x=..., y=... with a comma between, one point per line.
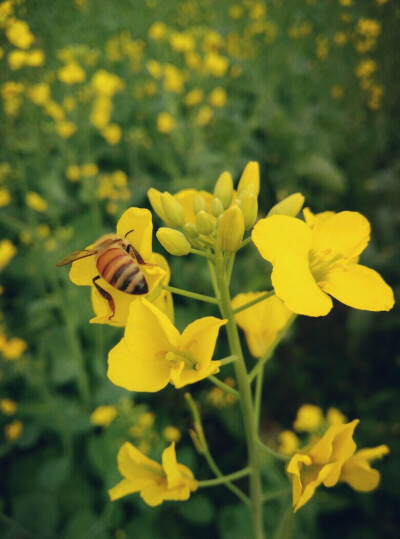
x=223, y=386
x=246, y=404
x=258, y=397
x=225, y=479
x=193, y=295
x=254, y=301
x=261, y=362
x=228, y=360
x=201, y=253
x=272, y=452
x=268, y=496
x=245, y=242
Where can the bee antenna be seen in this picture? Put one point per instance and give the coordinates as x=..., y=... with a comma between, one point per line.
x=129, y=232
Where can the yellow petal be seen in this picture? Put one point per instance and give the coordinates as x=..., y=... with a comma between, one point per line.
x=316, y=218
x=359, y=287
x=102, y=309
x=372, y=453
x=346, y=233
x=83, y=271
x=155, y=494
x=170, y=466
x=360, y=476
x=140, y=221
x=133, y=464
x=279, y=234
x=295, y=285
x=199, y=339
x=127, y=371
x=309, y=489
x=294, y=468
x=182, y=377
x=123, y=488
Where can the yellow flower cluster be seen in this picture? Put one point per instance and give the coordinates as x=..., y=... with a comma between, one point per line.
x=105, y=85
x=12, y=349
x=75, y=172
x=7, y=252
x=113, y=186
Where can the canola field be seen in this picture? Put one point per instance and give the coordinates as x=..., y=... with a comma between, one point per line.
x=108, y=106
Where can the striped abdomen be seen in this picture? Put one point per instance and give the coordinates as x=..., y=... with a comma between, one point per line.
x=121, y=271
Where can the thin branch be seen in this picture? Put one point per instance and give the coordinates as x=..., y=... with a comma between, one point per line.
x=192, y=295
x=224, y=387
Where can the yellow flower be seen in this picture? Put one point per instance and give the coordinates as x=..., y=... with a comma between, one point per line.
x=71, y=73
x=13, y=430
x=5, y=197
x=73, y=173
x=185, y=197
x=55, y=111
x=194, y=97
x=7, y=252
x=322, y=463
x=309, y=418
x=35, y=58
x=155, y=482
x=101, y=112
x=357, y=471
x=171, y=434
x=337, y=91
x=193, y=60
x=368, y=28
x=106, y=84
x=165, y=122
x=157, y=30
x=84, y=270
x=8, y=407
x=153, y=352
x=335, y=417
x=16, y=59
x=204, y=115
x=174, y=79
x=40, y=93
x=155, y=69
x=216, y=64
x=261, y=322
x=288, y=442
x=65, y=129
x=217, y=97
x=88, y=169
x=19, y=34
x=366, y=68
x=182, y=41
x=102, y=416
x=36, y=202
x=112, y=133
x=308, y=264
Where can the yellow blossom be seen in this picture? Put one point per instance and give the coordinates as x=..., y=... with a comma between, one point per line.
x=112, y=133
x=65, y=129
x=155, y=69
x=340, y=38
x=194, y=97
x=157, y=30
x=71, y=73
x=7, y=252
x=288, y=442
x=309, y=418
x=261, y=322
x=19, y=34
x=357, y=471
x=5, y=197
x=236, y=11
x=193, y=60
x=34, y=58
x=182, y=41
x=154, y=353
x=308, y=264
x=8, y=407
x=368, y=28
x=376, y=96
x=366, y=68
x=171, y=434
x=217, y=97
x=101, y=112
x=43, y=231
x=216, y=64
x=322, y=463
x=11, y=89
x=39, y=94
x=102, y=416
x=106, y=84
x=36, y=202
x=13, y=349
x=204, y=116
x=13, y=430
x=335, y=417
x=89, y=169
x=73, y=173
x=55, y=111
x=16, y=59
x=69, y=103
x=147, y=419
x=165, y=122
x=174, y=79
x=155, y=482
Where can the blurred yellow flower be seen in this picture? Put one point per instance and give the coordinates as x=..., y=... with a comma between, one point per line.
x=157, y=30
x=204, y=115
x=337, y=91
x=55, y=111
x=236, y=11
x=155, y=69
x=335, y=417
x=43, y=231
x=13, y=430
x=288, y=442
x=147, y=419
x=368, y=28
x=101, y=112
x=19, y=34
x=71, y=73
x=11, y=89
x=7, y=252
x=182, y=41
x=112, y=133
x=88, y=169
x=155, y=482
x=102, y=416
x=366, y=68
x=193, y=60
x=34, y=58
x=216, y=64
x=40, y=93
x=36, y=202
x=13, y=349
x=217, y=97
x=5, y=197
x=309, y=418
x=154, y=353
x=73, y=173
x=106, y=84
x=174, y=79
x=65, y=129
x=16, y=59
x=376, y=96
x=8, y=407
x=340, y=38
x=165, y=122
x=69, y=103
x=194, y=97
x=172, y=434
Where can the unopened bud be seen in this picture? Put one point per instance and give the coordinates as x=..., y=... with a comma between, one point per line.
x=250, y=178
x=155, y=201
x=199, y=204
x=224, y=189
x=216, y=207
x=191, y=230
x=290, y=206
x=204, y=223
x=173, y=210
x=249, y=207
x=230, y=230
x=173, y=241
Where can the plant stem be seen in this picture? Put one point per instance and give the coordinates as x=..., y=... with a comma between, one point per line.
x=223, y=386
x=272, y=452
x=225, y=479
x=245, y=242
x=228, y=360
x=254, y=301
x=201, y=253
x=246, y=403
x=193, y=295
x=277, y=494
x=258, y=396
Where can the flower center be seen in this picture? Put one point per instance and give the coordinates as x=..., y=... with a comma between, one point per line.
x=323, y=261
x=177, y=356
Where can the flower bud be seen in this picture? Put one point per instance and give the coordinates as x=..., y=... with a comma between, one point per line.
x=224, y=189
x=155, y=201
x=204, y=223
x=173, y=241
x=230, y=230
x=290, y=206
x=250, y=177
x=173, y=210
x=199, y=204
x=191, y=230
x=216, y=207
x=249, y=207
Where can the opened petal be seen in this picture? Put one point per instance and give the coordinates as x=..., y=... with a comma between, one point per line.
x=359, y=287
x=140, y=221
x=279, y=234
x=360, y=476
x=295, y=285
x=124, y=487
x=199, y=338
x=133, y=464
x=83, y=271
x=170, y=466
x=347, y=233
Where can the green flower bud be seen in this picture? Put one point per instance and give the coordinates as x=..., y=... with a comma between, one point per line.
x=173, y=241
x=231, y=229
x=216, y=207
x=204, y=223
x=224, y=189
x=249, y=207
x=250, y=177
x=199, y=204
x=191, y=230
x=173, y=210
x=290, y=206
x=155, y=201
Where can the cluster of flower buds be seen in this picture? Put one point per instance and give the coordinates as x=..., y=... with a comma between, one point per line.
x=201, y=220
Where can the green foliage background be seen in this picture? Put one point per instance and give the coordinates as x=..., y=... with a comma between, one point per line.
x=281, y=111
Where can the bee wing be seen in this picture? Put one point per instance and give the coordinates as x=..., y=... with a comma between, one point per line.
x=76, y=255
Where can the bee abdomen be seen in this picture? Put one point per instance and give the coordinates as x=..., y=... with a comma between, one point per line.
x=122, y=272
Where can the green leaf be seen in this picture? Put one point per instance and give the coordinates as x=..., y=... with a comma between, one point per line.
x=37, y=513
x=54, y=472
x=85, y=524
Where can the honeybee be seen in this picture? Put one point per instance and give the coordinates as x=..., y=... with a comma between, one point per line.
x=117, y=261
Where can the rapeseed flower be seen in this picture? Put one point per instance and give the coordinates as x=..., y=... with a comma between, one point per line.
x=112, y=133
x=165, y=122
x=7, y=252
x=288, y=442
x=36, y=202
x=39, y=94
x=8, y=407
x=357, y=471
x=308, y=264
x=13, y=430
x=19, y=34
x=71, y=73
x=309, y=418
x=155, y=482
x=84, y=270
x=5, y=197
x=103, y=416
x=217, y=97
x=154, y=353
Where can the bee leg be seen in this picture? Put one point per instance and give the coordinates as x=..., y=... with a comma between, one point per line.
x=137, y=255
x=106, y=295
